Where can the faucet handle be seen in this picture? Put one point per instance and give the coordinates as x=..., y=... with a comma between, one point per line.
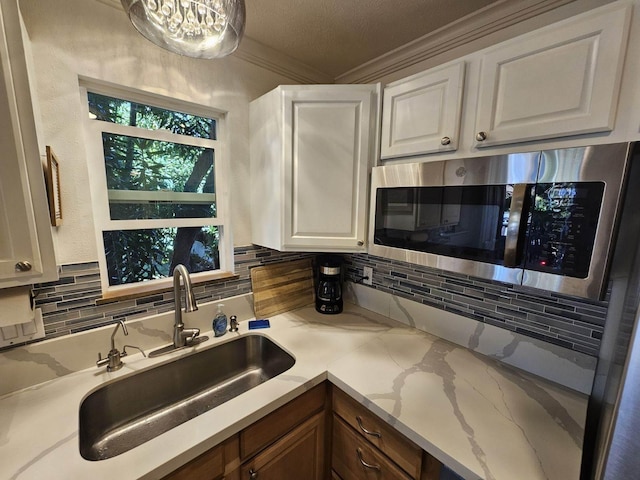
x=124, y=350
x=190, y=334
x=102, y=361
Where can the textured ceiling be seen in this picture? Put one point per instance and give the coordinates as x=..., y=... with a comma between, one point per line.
x=335, y=36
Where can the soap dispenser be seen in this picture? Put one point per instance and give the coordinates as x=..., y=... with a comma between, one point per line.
x=220, y=322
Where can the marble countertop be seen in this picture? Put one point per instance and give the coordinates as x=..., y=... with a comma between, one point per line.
x=481, y=418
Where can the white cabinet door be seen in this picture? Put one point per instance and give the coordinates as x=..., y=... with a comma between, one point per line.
x=421, y=114
x=26, y=246
x=558, y=81
x=311, y=150
x=327, y=157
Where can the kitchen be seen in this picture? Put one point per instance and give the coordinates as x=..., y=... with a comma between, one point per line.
x=69, y=44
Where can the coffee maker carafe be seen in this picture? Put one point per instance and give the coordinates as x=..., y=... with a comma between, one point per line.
x=329, y=288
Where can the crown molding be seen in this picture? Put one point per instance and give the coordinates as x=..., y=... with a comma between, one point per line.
x=484, y=22
x=271, y=59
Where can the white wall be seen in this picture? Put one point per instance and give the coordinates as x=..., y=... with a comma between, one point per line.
x=72, y=38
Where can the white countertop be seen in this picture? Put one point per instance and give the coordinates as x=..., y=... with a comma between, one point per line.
x=479, y=417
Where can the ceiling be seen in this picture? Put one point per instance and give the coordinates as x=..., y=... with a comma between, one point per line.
x=349, y=41
x=335, y=36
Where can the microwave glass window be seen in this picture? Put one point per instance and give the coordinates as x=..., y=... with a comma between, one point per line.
x=461, y=221
x=562, y=227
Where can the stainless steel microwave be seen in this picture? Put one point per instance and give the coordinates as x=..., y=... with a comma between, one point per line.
x=542, y=219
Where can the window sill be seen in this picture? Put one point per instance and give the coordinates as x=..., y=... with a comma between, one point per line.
x=129, y=292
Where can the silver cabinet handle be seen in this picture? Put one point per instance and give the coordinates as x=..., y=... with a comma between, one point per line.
x=253, y=474
x=368, y=432
x=516, y=223
x=445, y=141
x=365, y=464
x=23, y=266
x=481, y=136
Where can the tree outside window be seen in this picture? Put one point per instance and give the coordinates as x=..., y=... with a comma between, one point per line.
x=160, y=173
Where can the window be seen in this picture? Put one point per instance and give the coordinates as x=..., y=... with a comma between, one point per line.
x=156, y=174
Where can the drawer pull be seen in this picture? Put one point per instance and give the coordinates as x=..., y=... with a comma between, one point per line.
x=253, y=474
x=368, y=432
x=365, y=464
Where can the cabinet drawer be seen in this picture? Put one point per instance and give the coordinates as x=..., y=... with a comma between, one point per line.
x=402, y=451
x=354, y=458
x=267, y=430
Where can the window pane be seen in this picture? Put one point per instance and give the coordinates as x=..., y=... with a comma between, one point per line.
x=150, y=254
x=125, y=112
x=170, y=172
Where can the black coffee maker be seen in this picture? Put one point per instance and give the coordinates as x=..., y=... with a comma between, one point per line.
x=329, y=286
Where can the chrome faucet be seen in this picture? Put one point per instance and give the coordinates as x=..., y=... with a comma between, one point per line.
x=113, y=359
x=182, y=337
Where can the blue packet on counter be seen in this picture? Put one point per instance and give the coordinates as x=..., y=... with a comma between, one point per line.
x=255, y=324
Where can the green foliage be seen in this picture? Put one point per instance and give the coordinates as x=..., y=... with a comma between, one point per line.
x=147, y=254
x=143, y=164
x=125, y=112
x=134, y=163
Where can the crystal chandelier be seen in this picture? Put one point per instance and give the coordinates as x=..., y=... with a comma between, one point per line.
x=195, y=28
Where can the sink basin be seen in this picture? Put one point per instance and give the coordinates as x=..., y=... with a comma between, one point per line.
x=128, y=412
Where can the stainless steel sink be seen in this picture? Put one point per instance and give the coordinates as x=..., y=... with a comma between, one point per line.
x=128, y=412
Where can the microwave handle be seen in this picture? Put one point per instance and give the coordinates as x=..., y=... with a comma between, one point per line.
x=517, y=222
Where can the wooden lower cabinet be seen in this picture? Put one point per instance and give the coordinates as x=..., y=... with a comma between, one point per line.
x=354, y=458
x=299, y=454
x=366, y=447
x=288, y=443
x=322, y=434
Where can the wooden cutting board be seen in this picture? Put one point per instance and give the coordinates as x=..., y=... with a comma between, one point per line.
x=282, y=287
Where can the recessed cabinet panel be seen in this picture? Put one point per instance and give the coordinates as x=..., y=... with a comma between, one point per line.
x=417, y=114
x=567, y=90
x=319, y=166
x=559, y=81
x=421, y=114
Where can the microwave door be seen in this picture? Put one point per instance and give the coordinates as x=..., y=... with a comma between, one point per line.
x=573, y=219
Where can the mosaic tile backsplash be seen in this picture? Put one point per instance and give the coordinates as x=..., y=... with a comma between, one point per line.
x=570, y=322
x=70, y=304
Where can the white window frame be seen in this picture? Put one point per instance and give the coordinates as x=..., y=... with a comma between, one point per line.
x=100, y=193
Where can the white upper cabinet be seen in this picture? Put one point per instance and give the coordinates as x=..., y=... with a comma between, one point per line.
x=421, y=114
x=26, y=245
x=311, y=150
x=557, y=81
